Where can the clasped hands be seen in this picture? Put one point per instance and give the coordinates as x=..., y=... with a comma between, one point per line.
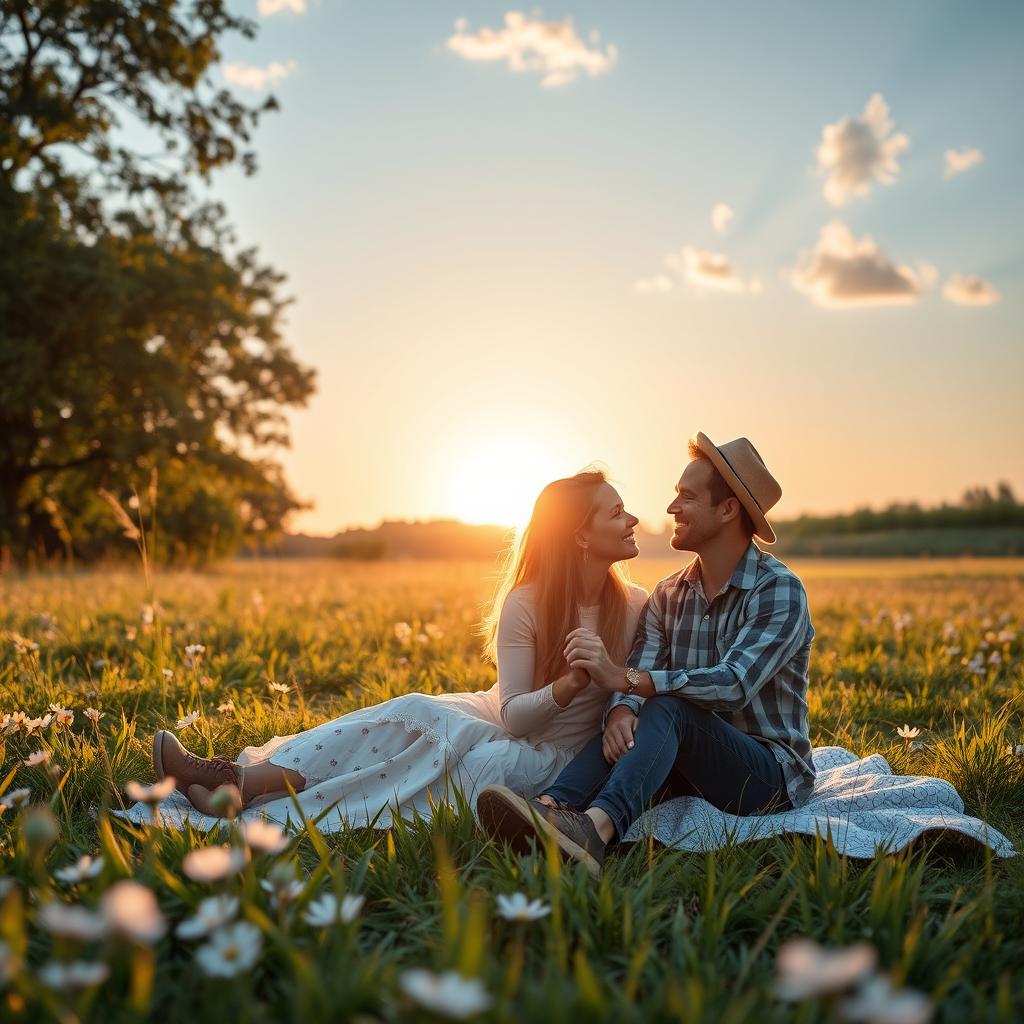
x=585, y=654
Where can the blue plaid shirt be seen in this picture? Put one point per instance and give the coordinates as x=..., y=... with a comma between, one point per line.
x=742, y=655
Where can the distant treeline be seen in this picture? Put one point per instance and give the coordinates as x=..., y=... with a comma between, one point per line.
x=984, y=524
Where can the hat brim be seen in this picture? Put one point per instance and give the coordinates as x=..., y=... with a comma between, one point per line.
x=762, y=528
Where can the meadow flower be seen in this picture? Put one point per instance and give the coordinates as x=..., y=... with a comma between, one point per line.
x=83, y=868
x=976, y=666
x=283, y=890
x=995, y=658
x=71, y=922
x=214, y=912
x=22, y=645
x=194, y=650
x=37, y=758
x=132, y=911
x=518, y=908
x=231, y=950
x=449, y=993
x=952, y=652
x=62, y=716
x=214, y=863
x=146, y=614
x=151, y=794
x=433, y=631
x=907, y=734
x=1006, y=636
x=327, y=910
x=93, y=714
x=807, y=970
x=403, y=632
x=264, y=836
x=227, y=708
x=14, y=721
x=168, y=673
x=77, y=974
x=16, y=797
x=190, y=719
x=1018, y=750
x=279, y=687
x=130, y=633
x=31, y=725
x=877, y=1002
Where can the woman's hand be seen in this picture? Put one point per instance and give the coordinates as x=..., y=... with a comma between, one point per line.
x=618, y=733
x=585, y=650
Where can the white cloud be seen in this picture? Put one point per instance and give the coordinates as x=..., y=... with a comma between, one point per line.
x=658, y=284
x=549, y=48
x=705, y=269
x=842, y=271
x=268, y=8
x=721, y=217
x=967, y=290
x=857, y=151
x=964, y=160
x=251, y=76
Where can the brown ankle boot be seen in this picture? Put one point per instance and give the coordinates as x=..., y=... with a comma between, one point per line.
x=171, y=758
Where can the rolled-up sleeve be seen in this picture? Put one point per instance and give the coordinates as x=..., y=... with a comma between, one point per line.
x=774, y=630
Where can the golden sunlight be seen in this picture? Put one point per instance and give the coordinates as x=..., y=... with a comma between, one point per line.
x=498, y=483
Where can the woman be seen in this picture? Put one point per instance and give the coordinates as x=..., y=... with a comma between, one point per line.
x=409, y=751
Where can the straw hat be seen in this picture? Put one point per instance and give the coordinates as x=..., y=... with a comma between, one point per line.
x=748, y=476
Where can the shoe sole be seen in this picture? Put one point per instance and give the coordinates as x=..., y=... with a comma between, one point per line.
x=158, y=760
x=507, y=816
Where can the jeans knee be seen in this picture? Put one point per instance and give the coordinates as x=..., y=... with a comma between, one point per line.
x=664, y=705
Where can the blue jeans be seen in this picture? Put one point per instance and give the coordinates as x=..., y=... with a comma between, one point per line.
x=679, y=749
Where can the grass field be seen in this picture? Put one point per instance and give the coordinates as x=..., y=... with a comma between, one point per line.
x=663, y=936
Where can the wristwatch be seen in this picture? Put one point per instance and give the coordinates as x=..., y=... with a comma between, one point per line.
x=633, y=680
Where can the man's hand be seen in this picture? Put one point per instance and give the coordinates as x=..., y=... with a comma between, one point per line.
x=585, y=650
x=618, y=733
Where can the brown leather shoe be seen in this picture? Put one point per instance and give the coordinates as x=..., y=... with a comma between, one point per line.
x=171, y=758
x=515, y=820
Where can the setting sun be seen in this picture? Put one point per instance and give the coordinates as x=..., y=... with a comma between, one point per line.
x=499, y=482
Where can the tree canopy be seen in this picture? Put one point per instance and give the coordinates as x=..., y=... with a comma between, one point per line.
x=140, y=346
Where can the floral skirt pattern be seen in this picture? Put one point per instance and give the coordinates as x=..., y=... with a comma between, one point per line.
x=403, y=755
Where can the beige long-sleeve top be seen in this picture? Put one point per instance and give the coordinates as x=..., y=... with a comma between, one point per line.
x=533, y=714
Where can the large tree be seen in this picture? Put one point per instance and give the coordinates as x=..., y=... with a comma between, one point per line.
x=135, y=335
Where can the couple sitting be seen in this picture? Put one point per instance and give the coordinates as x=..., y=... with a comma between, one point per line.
x=707, y=693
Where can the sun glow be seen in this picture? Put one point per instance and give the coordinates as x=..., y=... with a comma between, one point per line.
x=499, y=483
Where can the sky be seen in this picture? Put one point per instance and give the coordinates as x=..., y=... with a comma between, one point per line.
x=521, y=242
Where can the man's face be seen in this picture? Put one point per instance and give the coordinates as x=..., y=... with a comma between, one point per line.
x=696, y=518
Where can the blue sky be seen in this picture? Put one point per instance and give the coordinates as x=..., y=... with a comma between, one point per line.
x=464, y=245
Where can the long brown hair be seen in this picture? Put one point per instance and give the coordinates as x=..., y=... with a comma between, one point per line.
x=547, y=556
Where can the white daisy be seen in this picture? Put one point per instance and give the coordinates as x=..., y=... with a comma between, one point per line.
x=77, y=974
x=449, y=993
x=518, y=908
x=132, y=911
x=231, y=950
x=85, y=867
x=264, y=836
x=151, y=794
x=326, y=910
x=190, y=719
x=878, y=1002
x=71, y=921
x=806, y=969
x=214, y=912
x=214, y=863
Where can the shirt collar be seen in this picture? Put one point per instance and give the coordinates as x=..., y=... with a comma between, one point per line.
x=744, y=576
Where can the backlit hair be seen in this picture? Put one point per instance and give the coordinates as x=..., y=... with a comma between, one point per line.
x=547, y=556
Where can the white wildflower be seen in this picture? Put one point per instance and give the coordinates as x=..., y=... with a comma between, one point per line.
x=449, y=993
x=264, y=836
x=71, y=922
x=83, y=868
x=214, y=912
x=227, y=708
x=214, y=863
x=807, y=970
x=93, y=714
x=190, y=719
x=37, y=758
x=327, y=910
x=518, y=908
x=279, y=687
x=877, y=1002
x=151, y=794
x=231, y=950
x=77, y=974
x=132, y=911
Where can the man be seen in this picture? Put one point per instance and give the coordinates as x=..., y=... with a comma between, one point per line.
x=712, y=700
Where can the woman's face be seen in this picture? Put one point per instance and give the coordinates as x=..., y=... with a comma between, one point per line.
x=609, y=534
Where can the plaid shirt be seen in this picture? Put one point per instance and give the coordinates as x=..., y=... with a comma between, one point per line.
x=742, y=655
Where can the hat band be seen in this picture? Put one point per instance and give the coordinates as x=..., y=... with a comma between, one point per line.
x=738, y=477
